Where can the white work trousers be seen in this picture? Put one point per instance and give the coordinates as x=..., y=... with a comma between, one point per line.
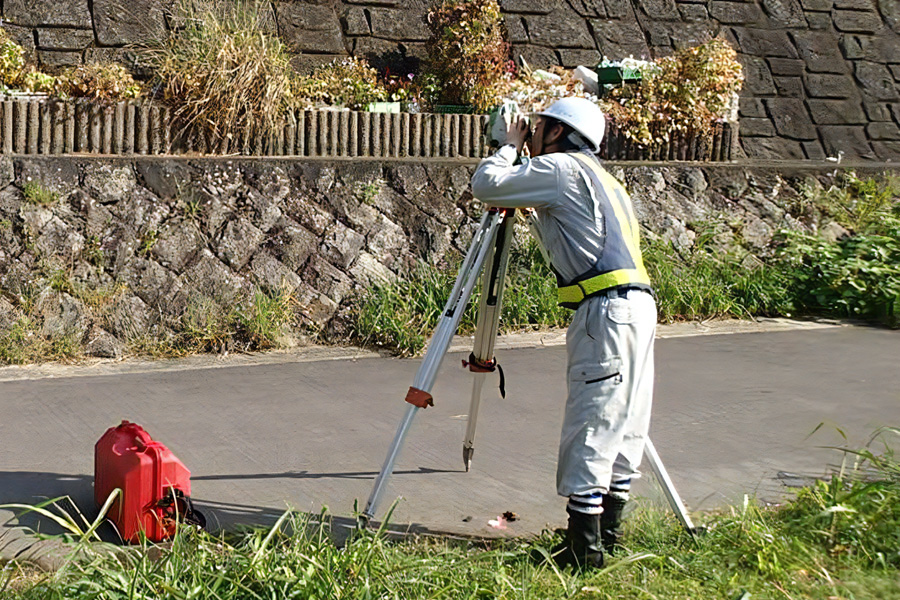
x=610, y=390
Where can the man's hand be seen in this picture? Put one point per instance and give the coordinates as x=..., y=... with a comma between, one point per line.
x=518, y=133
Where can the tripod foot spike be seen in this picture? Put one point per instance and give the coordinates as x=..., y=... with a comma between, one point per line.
x=467, y=457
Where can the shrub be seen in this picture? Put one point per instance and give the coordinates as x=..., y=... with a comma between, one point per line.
x=101, y=82
x=223, y=71
x=687, y=91
x=12, y=61
x=468, y=52
x=348, y=82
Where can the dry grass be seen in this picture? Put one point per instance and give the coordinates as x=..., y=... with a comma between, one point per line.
x=224, y=71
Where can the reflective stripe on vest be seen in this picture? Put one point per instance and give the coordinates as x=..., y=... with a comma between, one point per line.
x=621, y=262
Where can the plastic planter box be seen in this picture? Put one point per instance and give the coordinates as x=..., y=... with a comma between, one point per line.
x=383, y=107
x=454, y=109
x=616, y=75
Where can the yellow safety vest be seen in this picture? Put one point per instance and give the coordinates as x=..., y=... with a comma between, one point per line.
x=620, y=263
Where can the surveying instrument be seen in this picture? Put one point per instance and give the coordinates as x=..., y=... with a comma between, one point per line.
x=488, y=251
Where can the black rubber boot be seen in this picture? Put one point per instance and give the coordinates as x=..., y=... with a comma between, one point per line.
x=611, y=521
x=583, y=546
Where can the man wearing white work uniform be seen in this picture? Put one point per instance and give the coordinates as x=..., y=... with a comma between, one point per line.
x=586, y=224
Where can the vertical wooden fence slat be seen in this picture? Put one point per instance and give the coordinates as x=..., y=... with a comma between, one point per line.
x=156, y=134
x=396, y=135
x=466, y=136
x=108, y=129
x=323, y=135
x=21, y=124
x=354, y=133
x=46, y=124
x=130, y=128
x=8, y=135
x=444, y=140
x=70, y=127
x=365, y=133
x=416, y=133
x=404, y=135
x=333, y=132
x=312, y=133
x=118, y=134
x=82, y=125
x=34, y=127
x=96, y=119
x=343, y=138
x=143, y=129
x=58, y=128
x=427, y=126
x=376, y=134
x=167, y=119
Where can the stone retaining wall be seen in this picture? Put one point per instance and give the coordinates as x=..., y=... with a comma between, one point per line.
x=822, y=75
x=122, y=247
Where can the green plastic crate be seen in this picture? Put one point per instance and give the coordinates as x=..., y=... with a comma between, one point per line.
x=616, y=75
x=383, y=107
x=454, y=109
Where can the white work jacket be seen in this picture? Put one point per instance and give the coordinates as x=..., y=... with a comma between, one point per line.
x=569, y=222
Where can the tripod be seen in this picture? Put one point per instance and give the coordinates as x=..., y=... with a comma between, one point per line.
x=489, y=249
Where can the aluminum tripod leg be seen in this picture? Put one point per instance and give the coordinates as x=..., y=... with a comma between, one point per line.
x=668, y=487
x=487, y=324
x=440, y=342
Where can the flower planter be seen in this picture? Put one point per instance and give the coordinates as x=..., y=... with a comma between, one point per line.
x=617, y=75
x=454, y=109
x=383, y=107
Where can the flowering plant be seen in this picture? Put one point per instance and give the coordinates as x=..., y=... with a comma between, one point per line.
x=535, y=91
x=688, y=91
x=468, y=52
x=348, y=82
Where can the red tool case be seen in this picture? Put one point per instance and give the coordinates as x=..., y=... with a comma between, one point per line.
x=156, y=486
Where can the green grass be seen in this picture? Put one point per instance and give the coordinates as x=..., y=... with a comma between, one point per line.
x=800, y=274
x=839, y=538
x=37, y=194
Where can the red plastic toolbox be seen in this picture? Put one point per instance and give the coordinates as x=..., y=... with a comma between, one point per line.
x=156, y=486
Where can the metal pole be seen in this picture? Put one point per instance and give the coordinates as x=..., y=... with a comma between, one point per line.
x=437, y=348
x=487, y=325
x=668, y=487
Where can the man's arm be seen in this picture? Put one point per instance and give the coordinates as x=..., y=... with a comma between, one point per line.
x=497, y=182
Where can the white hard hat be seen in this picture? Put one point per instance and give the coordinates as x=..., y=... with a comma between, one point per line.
x=583, y=116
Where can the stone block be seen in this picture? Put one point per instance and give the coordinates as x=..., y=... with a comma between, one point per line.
x=817, y=5
x=849, y=140
x=813, y=150
x=209, y=277
x=757, y=77
x=876, y=111
x=693, y=12
x=120, y=22
x=820, y=51
x=64, y=39
x=367, y=271
x=772, y=148
x=789, y=87
x=58, y=13
x=559, y=29
x=165, y=178
x=102, y=344
x=239, y=242
x=57, y=240
x=540, y=7
x=23, y=36
x=400, y=25
x=890, y=12
x=851, y=47
x=108, y=183
x=791, y=118
x=688, y=35
x=786, y=13
x=591, y=9
x=140, y=213
x=895, y=71
x=819, y=21
x=387, y=242
x=355, y=21
x=620, y=39
x=515, y=29
x=308, y=27
x=59, y=175
x=537, y=57
x=177, y=244
x=341, y=245
x=149, y=280
x=292, y=244
x=271, y=275
x=736, y=13
x=61, y=315
x=853, y=21
x=58, y=59
x=315, y=307
x=865, y=5
x=786, y=66
x=837, y=112
x=875, y=80
x=753, y=108
x=665, y=10
x=327, y=279
x=883, y=131
x=829, y=85
x=765, y=42
x=887, y=151
x=571, y=58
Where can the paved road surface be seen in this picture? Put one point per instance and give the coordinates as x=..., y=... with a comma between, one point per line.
x=732, y=412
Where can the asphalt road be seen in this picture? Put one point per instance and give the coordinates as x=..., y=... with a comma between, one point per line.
x=733, y=415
